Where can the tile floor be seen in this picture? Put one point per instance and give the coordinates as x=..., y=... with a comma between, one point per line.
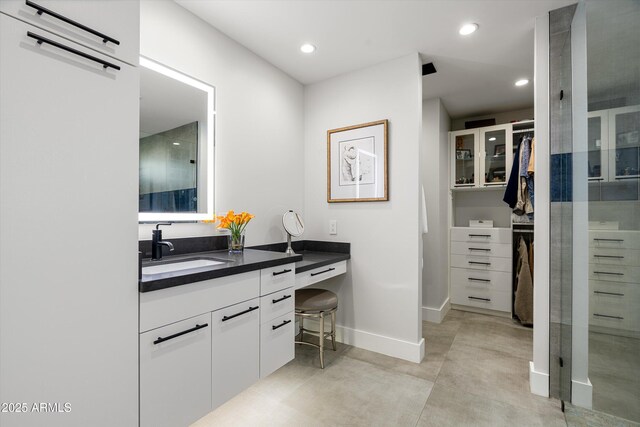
x=475, y=373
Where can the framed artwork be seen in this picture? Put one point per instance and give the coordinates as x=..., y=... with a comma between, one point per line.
x=357, y=163
x=463, y=154
x=499, y=150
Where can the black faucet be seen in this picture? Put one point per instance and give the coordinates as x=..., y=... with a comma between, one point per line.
x=157, y=243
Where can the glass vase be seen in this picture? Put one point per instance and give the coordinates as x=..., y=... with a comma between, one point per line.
x=235, y=243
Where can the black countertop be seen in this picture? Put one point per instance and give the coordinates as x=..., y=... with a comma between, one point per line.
x=309, y=255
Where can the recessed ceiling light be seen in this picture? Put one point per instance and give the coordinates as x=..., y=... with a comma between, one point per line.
x=522, y=82
x=493, y=138
x=176, y=143
x=307, y=48
x=467, y=29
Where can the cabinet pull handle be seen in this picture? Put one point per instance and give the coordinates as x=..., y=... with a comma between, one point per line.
x=480, y=263
x=480, y=299
x=480, y=249
x=170, y=337
x=277, y=273
x=249, y=310
x=607, y=240
x=609, y=293
x=284, y=322
x=281, y=299
x=473, y=279
x=620, y=178
x=609, y=273
x=479, y=235
x=608, y=317
x=41, y=40
x=609, y=256
x=323, y=271
x=596, y=179
x=41, y=10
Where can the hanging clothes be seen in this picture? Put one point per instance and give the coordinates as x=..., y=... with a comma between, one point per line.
x=523, y=204
x=511, y=192
x=523, y=306
x=531, y=169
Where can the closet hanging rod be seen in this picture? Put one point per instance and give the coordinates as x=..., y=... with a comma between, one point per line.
x=523, y=130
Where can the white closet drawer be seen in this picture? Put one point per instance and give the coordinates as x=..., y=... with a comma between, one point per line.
x=614, y=273
x=481, y=263
x=479, y=279
x=614, y=309
x=481, y=249
x=276, y=304
x=321, y=273
x=482, y=298
x=276, y=343
x=486, y=235
x=277, y=278
x=615, y=239
x=614, y=256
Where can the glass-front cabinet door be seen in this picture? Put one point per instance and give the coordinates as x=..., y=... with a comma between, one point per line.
x=464, y=167
x=598, y=146
x=496, y=155
x=624, y=141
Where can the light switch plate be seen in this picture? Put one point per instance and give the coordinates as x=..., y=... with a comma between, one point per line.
x=333, y=227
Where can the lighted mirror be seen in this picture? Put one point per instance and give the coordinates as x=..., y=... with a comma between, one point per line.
x=176, y=145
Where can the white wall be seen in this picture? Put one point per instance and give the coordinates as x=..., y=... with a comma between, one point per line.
x=259, y=120
x=380, y=295
x=434, y=161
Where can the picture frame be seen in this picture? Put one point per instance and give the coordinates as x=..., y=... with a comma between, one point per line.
x=499, y=150
x=463, y=154
x=357, y=165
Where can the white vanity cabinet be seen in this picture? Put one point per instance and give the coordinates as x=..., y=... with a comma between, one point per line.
x=87, y=23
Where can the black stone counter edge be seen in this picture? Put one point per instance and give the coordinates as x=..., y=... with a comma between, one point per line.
x=308, y=245
x=334, y=258
x=156, y=285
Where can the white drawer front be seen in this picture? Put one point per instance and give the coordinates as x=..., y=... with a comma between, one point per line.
x=276, y=343
x=614, y=273
x=482, y=298
x=319, y=274
x=486, y=235
x=175, y=375
x=277, y=278
x=481, y=262
x=615, y=239
x=276, y=304
x=479, y=279
x=481, y=249
x=614, y=256
x=159, y=308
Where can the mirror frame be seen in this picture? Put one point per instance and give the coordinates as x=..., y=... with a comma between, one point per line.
x=211, y=114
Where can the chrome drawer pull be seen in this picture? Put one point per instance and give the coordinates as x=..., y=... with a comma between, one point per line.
x=480, y=249
x=480, y=299
x=473, y=279
x=609, y=273
x=479, y=263
x=609, y=256
x=608, y=240
x=479, y=235
x=170, y=337
x=323, y=271
x=275, y=301
x=284, y=322
x=609, y=293
x=277, y=273
x=608, y=317
x=249, y=310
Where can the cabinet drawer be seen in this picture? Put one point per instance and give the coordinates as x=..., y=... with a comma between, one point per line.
x=614, y=273
x=481, y=262
x=319, y=274
x=481, y=249
x=479, y=279
x=482, y=298
x=487, y=235
x=614, y=256
x=276, y=304
x=119, y=20
x=235, y=354
x=615, y=239
x=276, y=343
x=169, y=305
x=175, y=374
x=277, y=278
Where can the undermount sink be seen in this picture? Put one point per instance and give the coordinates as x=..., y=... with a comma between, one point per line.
x=187, y=264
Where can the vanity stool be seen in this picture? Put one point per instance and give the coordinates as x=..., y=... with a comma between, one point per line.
x=317, y=303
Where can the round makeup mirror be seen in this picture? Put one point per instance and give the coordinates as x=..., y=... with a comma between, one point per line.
x=294, y=226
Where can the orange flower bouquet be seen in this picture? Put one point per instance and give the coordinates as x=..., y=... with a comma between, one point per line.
x=236, y=224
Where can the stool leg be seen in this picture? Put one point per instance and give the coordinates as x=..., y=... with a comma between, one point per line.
x=333, y=330
x=321, y=340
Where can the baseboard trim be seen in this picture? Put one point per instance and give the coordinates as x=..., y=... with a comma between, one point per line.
x=436, y=315
x=538, y=381
x=582, y=394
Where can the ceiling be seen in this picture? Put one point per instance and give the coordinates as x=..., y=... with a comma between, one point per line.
x=476, y=74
